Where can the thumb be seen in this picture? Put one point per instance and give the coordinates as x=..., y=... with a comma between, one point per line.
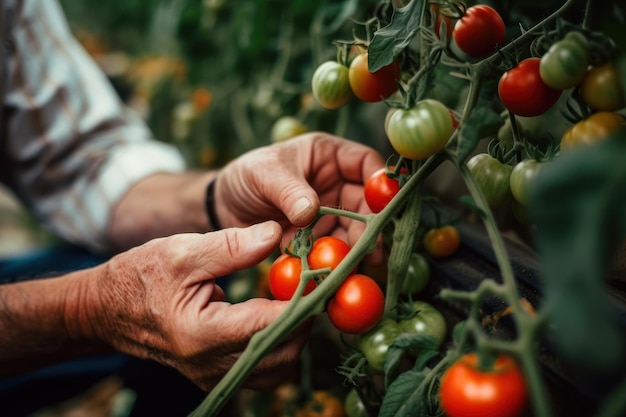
x=235, y=249
x=297, y=200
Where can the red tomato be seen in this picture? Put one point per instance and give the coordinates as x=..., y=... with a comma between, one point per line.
x=327, y=252
x=284, y=277
x=467, y=391
x=380, y=189
x=479, y=32
x=372, y=87
x=523, y=92
x=357, y=306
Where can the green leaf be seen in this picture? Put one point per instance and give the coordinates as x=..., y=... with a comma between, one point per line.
x=392, y=39
x=579, y=207
x=403, y=397
x=482, y=122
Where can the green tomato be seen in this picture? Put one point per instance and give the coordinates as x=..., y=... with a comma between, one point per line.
x=492, y=177
x=417, y=275
x=330, y=85
x=522, y=178
x=427, y=321
x=354, y=405
x=375, y=343
x=420, y=131
x=565, y=64
x=285, y=128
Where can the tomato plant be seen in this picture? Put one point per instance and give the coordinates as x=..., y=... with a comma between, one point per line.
x=425, y=320
x=565, y=63
x=357, y=306
x=468, y=391
x=417, y=275
x=601, y=88
x=442, y=19
x=592, y=129
x=330, y=85
x=373, y=87
x=327, y=252
x=522, y=177
x=284, y=277
x=323, y=404
x=443, y=241
x=479, y=32
x=420, y=131
x=523, y=92
x=380, y=188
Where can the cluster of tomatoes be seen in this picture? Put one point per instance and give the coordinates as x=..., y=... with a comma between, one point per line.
x=359, y=302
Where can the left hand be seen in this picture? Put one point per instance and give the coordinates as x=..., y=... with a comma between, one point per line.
x=287, y=182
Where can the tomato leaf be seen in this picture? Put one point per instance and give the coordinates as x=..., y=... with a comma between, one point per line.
x=482, y=122
x=392, y=39
x=424, y=344
x=579, y=207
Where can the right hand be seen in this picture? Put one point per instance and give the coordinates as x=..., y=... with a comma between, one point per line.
x=160, y=301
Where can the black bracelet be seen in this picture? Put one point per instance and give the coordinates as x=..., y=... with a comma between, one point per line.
x=209, y=203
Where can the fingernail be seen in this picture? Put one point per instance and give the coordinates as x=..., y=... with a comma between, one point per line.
x=301, y=206
x=264, y=232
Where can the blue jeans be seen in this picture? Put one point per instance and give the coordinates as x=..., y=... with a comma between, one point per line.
x=159, y=390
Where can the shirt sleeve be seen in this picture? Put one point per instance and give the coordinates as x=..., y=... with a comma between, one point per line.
x=73, y=147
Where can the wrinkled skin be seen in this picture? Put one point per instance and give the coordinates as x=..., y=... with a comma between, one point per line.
x=160, y=301
x=297, y=176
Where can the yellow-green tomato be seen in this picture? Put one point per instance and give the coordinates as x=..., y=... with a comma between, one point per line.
x=421, y=131
x=522, y=178
x=286, y=128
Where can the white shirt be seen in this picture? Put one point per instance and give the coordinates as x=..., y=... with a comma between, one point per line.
x=71, y=147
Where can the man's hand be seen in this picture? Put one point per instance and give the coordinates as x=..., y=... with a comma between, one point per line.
x=160, y=301
x=288, y=182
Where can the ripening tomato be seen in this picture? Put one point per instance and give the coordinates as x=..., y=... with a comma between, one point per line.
x=478, y=33
x=284, y=277
x=523, y=92
x=373, y=87
x=492, y=177
x=327, y=252
x=443, y=241
x=592, y=129
x=323, y=404
x=357, y=306
x=602, y=88
x=468, y=391
x=330, y=85
x=380, y=188
x=420, y=131
x=565, y=63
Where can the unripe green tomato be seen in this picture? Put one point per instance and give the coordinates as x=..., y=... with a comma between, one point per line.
x=522, y=178
x=427, y=321
x=565, y=64
x=286, y=128
x=375, y=343
x=354, y=405
x=417, y=275
x=330, y=85
x=492, y=177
